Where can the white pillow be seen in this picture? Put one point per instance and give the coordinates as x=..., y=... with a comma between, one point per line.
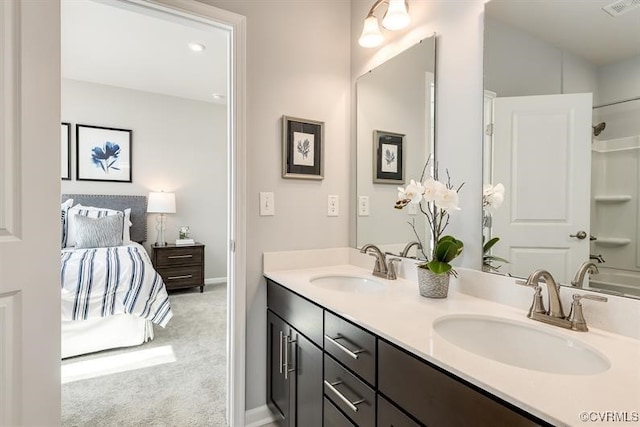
x=64, y=219
x=94, y=212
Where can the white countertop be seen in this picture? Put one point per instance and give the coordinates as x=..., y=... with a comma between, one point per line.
x=399, y=314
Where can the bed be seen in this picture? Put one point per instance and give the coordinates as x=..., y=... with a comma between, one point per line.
x=111, y=295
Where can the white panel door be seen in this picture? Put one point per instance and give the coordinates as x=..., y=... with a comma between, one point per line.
x=29, y=218
x=542, y=155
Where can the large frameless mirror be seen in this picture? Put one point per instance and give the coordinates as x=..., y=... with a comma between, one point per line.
x=562, y=137
x=395, y=137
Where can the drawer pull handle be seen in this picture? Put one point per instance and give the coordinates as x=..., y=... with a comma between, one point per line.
x=280, y=341
x=352, y=353
x=186, y=276
x=352, y=405
x=180, y=256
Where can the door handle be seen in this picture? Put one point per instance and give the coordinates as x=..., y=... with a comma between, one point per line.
x=581, y=235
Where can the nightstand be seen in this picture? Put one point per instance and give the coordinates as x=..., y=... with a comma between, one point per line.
x=179, y=266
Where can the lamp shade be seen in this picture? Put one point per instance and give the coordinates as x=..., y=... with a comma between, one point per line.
x=396, y=17
x=161, y=202
x=371, y=35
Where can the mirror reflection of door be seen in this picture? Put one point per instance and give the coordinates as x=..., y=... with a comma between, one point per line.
x=547, y=197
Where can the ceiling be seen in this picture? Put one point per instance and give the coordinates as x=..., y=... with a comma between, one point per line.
x=120, y=44
x=579, y=26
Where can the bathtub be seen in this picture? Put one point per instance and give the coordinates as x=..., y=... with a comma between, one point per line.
x=616, y=281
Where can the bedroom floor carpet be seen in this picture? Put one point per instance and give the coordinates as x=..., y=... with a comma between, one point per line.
x=189, y=391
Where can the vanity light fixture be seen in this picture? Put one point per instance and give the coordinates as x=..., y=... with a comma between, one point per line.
x=197, y=47
x=396, y=18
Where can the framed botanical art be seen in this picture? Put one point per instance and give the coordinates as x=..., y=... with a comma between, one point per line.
x=302, y=148
x=65, y=151
x=103, y=154
x=388, y=157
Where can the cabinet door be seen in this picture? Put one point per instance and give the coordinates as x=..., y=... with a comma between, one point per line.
x=278, y=387
x=306, y=366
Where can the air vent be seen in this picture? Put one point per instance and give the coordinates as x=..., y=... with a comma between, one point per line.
x=620, y=7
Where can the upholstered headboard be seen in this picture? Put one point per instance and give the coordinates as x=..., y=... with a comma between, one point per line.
x=138, y=205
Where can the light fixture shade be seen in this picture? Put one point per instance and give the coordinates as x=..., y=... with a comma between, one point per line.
x=371, y=35
x=397, y=16
x=161, y=202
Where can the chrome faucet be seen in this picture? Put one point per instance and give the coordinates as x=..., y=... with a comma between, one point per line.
x=407, y=248
x=585, y=267
x=555, y=315
x=598, y=258
x=380, y=269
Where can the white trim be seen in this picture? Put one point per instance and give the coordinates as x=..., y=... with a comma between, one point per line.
x=8, y=387
x=215, y=280
x=236, y=262
x=259, y=416
x=10, y=95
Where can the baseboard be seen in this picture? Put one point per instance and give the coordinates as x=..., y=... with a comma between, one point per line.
x=258, y=417
x=215, y=280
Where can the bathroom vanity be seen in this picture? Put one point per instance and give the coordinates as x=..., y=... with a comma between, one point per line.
x=367, y=380
x=346, y=348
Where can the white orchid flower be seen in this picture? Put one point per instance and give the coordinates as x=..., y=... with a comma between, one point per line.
x=413, y=192
x=447, y=200
x=432, y=188
x=492, y=196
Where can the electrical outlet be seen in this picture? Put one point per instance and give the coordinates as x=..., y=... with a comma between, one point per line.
x=267, y=204
x=333, y=208
x=363, y=206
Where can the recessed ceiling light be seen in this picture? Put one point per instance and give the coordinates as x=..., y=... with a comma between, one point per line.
x=218, y=96
x=197, y=47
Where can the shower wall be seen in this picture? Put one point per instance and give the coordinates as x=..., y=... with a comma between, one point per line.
x=615, y=189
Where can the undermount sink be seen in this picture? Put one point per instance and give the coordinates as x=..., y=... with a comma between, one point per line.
x=348, y=283
x=521, y=345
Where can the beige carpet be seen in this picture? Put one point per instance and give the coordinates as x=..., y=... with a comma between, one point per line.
x=189, y=391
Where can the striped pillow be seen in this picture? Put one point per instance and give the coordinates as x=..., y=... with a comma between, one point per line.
x=64, y=219
x=98, y=232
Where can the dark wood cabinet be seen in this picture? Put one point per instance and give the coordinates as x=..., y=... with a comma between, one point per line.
x=179, y=266
x=366, y=381
x=294, y=363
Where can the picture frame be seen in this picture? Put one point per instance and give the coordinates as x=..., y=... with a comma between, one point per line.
x=302, y=148
x=103, y=154
x=65, y=151
x=388, y=157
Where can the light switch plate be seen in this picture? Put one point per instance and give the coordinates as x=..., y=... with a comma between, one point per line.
x=333, y=205
x=267, y=204
x=363, y=206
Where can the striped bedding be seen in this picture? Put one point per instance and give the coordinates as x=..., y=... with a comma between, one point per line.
x=101, y=282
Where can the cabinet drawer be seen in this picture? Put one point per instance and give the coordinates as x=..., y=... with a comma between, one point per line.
x=354, y=397
x=390, y=416
x=178, y=277
x=167, y=257
x=351, y=345
x=303, y=315
x=435, y=398
x=333, y=417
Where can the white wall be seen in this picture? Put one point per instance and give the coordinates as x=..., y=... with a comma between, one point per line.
x=297, y=65
x=518, y=64
x=178, y=145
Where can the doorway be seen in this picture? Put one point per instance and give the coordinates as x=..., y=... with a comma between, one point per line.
x=233, y=25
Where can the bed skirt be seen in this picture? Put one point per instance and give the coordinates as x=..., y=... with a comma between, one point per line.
x=88, y=336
